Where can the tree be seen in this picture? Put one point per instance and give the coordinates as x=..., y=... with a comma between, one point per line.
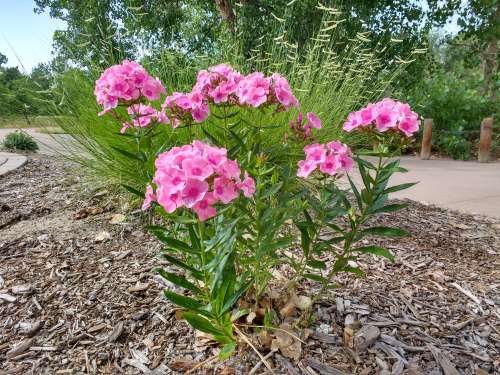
x=3, y=59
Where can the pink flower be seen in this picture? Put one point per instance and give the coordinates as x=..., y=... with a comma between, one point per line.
x=197, y=176
x=387, y=114
x=409, y=124
x=247, y=186
x=316, y=153
x=149, y=197
x=142, y=115
x=353, y=121
x=225, y=190
x=204, y=208
x=330, y=165
x=168, y=201
x=193, y=192
x=313, y=120
x=306, y=167
x=125, y=82
x=197, y=168
x=253, y=89
x=331, y=158
x=368, y=114
x=282, y=91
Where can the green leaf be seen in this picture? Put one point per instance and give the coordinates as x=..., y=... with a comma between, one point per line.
x=389, y=208
x=139, y=156
x=305, y=239
x=176, y=244
x=356, y=192
x=201, y=323
x=355, y=270
x=229, y=303
x=227, y=351
x=197, y=274
x=178, y=280
x=385, y=231
x=272, y=190
x=317, y=264
x=314, y=277
x=183, y=301
x=376, y=250
x=133, y=191
x=393, y=189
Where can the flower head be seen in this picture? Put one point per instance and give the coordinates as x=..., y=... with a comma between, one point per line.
x=386, y=115
x=331, y=159
x=197, y=176
x=125, y=82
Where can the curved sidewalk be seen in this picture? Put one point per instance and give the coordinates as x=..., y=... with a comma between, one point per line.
x=466, y=186
x=10, y=162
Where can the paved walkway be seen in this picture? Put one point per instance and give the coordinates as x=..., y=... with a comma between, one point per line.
x=48, y=143
x=10, y=162
x=466, y=186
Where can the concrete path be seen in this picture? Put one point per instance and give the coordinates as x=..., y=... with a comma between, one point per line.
x=48, y=143
x=465, y=186
x=10, y=162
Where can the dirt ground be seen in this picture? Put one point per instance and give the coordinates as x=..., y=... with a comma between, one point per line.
x=78, y=295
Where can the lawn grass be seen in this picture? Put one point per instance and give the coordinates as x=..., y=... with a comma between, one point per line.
x=20, y=122
x=44, y=124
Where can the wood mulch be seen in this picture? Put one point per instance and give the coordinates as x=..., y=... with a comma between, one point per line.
x=78, y=295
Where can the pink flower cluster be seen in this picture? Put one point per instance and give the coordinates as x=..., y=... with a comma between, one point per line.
x=180, y=107
x=303, y=131
x=197, y=176
x=386, y=115
x=331, y=159
x=126, y=82
x=142, y=115
x=218, y=84
x=222, y=84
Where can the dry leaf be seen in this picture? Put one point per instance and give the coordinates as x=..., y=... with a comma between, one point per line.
x=102, y=236
x=302, y=302
x=117, y=219
x=227, y=371
x=182, y=364
x=287, y=344
x=288, y=310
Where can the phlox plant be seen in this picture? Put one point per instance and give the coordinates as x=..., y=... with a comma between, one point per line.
x=235, y=203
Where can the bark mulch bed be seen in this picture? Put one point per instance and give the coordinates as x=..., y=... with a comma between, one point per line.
x=77, y=295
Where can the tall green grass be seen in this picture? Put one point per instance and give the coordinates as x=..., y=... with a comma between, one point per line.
x=326, y=81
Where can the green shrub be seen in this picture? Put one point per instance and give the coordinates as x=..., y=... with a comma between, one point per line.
x=455, y=146
x=20, y=140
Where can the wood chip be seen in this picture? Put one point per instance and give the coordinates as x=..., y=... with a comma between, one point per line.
x=19, y=348
x=140, y=287
x=322, y=368
x=117, y=331
x=8, y=297
x=365, y=337
x=443, y=361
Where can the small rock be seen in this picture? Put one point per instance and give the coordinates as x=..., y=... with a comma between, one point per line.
x=365, y=337
x=7, y=297
x=22, y=289
x=117, y=219
x=302, y=302
x=19, y=348
x=138, y=287
x=102, y=236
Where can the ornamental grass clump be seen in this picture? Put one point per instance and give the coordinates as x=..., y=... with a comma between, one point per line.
x=237, y=208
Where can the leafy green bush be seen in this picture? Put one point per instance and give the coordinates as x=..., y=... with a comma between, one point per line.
x=455, y=146
x=20, y=140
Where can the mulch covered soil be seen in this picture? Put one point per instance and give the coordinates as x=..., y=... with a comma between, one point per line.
x=77, y=295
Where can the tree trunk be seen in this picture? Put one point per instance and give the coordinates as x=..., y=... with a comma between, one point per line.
x=490, y=66
x=227, y=13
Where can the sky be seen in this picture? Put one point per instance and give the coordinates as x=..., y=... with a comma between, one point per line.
x=26, y=34
x=26, y=37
